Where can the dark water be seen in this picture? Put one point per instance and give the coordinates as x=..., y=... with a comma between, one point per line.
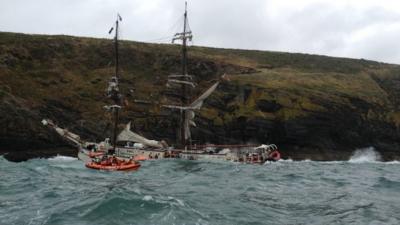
x=62, y=191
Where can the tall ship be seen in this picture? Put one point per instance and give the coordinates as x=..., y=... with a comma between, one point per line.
x=129, y=145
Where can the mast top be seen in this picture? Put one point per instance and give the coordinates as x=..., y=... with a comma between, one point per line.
x=187, y=33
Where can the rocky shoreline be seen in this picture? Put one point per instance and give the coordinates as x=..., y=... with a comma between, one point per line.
x=20, y=156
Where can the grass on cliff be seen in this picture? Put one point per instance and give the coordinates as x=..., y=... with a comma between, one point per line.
x=75, y=71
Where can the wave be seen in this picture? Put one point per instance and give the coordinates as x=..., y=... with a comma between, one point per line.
x=393, y=162
x=364, y=155
x=289, y=160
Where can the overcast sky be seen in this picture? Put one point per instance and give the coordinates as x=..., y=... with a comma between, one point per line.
x=367, y=29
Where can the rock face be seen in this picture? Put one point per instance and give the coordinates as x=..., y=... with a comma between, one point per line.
x=22, y=137
x=312, y=107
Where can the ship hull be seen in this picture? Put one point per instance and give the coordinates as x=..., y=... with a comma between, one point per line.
x=140, y=154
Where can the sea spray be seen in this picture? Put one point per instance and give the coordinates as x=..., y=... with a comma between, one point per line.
x=365, y=155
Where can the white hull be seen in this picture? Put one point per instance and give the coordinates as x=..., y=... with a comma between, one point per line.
x=126, y=152
x=129, y=152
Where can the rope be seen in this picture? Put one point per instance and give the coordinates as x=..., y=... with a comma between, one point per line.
x=160, y=39
x=171, y=31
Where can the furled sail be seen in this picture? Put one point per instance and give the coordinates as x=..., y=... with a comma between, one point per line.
x=199, y=101
x=63, y=132
x=174, y=81
x=189, y=121
x=190, y=77
x=128, y=135
x=196, y=105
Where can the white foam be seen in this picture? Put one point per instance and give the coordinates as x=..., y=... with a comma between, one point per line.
x=147, y=198
x=178, y=201
x=62, y=158
x=285, y=160
x=289, y=160
x=365, y=155
x=393, y=162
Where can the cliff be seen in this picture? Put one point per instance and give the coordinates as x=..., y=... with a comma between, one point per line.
x=311, y=106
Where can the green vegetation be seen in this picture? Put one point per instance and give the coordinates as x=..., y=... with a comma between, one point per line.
x=270, y=86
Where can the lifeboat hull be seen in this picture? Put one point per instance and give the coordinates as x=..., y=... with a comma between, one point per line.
x=122, y=167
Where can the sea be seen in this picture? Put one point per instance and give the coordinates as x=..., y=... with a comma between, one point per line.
x=61, y=190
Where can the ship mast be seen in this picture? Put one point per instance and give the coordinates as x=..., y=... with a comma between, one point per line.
x=184, y=37
x=181, y=87
x=185, y=79
x=113, y=85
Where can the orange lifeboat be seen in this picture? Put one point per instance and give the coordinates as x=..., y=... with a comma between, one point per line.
x=114, y=164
